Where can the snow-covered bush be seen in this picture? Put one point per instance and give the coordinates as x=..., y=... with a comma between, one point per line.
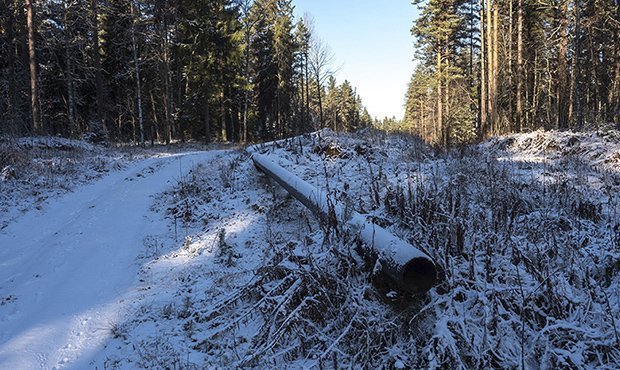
x=33, y=169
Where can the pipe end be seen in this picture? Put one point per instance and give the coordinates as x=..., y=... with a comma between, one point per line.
x=419, y=275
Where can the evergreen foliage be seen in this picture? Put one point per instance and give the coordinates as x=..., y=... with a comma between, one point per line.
x=490, y=67
x=163, y=70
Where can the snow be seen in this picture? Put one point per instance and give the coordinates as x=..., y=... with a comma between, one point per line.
x=73, y=267
x=35, y=170
x=196, y=260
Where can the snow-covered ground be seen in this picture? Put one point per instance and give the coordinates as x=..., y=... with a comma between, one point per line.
x=198, y=261
x=67, y=268
x=35, y=170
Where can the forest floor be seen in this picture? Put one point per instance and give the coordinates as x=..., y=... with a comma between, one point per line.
x=196, y=260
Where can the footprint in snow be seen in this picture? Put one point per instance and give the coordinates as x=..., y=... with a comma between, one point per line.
x=7, y=300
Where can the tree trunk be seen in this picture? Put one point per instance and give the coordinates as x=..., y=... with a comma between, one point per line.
x=532, y=113
x=233, y=116
x=422, y=125
x=229, y=128
x=137, y=69
x=34, y=86
x=446, y=135
x=101, y=112
x=207, y=123
x=551, y=120
x=472, y=104
x=223, y=131
x=519, y=113
x=510, y=71
x=615, y=89
x=155, y=124
x=278, y=111
x=166, y=78
x=562, y=108
x=73, y=130
x=246, y=73
x=489, y=47
x=307, y=82
x=318, y=93
x=604, y=76
x=12, y=89
x=495, y=69
x=248, y=26
x=176, y=130
x=439, y=127
x=483, y=76
x=573, y=105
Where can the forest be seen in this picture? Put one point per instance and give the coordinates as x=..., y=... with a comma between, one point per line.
x=490, y=67
x=243, y=70
x=184, y=184
x=164, y=70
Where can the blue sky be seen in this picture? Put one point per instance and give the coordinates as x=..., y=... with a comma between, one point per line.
x=372, y=45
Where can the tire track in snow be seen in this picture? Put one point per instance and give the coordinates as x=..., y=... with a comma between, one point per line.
x=71, y=267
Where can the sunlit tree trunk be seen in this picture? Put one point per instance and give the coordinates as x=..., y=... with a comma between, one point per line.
x=483, y=75
x=446, y=77
x=439, y=128
x=34, y=85
x=494, y=85
x=519, y=77
x=510, y=66
x=489, y=57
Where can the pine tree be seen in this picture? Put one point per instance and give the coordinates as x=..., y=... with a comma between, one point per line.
x=227, y=70
x=442, y=33
x=302, y=38
x=346, y=103
x=550, y=64
x=284, y=50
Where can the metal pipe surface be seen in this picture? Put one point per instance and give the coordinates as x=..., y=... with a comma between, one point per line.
x=410, y=268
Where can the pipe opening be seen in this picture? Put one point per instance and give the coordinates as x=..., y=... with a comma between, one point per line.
x=419, y=275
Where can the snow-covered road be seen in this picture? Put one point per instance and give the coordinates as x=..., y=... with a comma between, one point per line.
x=66, y=271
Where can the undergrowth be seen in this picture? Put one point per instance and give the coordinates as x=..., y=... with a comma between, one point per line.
x=529, y=259
x=528, y=254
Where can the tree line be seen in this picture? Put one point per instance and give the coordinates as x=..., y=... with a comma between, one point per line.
x=164, y=70
x=490, y=67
